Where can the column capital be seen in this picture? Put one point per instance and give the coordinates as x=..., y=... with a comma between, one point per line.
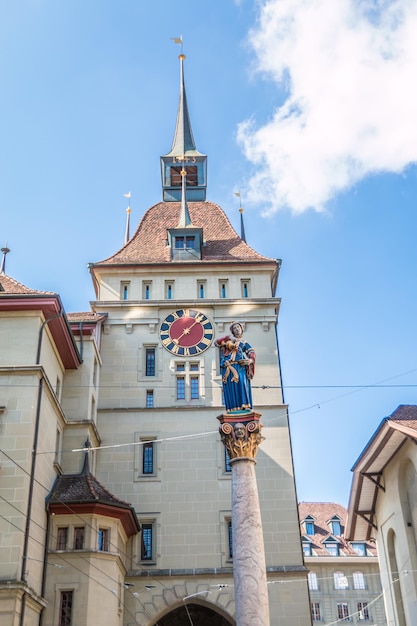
x=241, y=434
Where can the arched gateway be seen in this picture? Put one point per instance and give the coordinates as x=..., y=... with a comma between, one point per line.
x=196, y=614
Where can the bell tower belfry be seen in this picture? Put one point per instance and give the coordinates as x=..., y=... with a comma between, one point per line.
x=183, y=156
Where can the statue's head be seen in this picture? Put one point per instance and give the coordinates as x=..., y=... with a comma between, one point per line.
x=240, y=431
x=236, y=329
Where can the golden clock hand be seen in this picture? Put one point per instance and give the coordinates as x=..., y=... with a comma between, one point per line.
x=186, y=331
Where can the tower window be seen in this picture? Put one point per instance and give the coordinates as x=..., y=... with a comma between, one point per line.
x=230, y=538
x=148, y=457
x=192, y=175
x=245, y=288
x=62, y=538
x=79, y=538
x=103, y=539
x=150, y=362
x=180, y=388
x=124, y=290
x=147, y=290
x=169, y=290
x=201, y=289
x=223, y=288
x=65, y=608
x=227, y=466
x=194, y=384
x=147, y=548
x=149, y=399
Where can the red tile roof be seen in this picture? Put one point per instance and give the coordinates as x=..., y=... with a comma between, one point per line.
x=322, y=513
x=148, y=244
x=10, y=286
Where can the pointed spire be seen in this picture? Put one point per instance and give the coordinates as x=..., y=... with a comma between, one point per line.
x=128, y=211
x=183, y=141
x=242, y=225
x=86, y=464
x=5, y=251
x=185, y=219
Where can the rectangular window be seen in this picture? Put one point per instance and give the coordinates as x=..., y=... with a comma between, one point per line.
x=179, y=243
x=343, y=611
x=65, y=608
x=307, y=548
x=62, y=538
x=58, y=446
x=146, y=290
x=313, y=584
x=201, y=289
x=180, y=367
x=79, y=538
x=195, y=388
x=340, y=581
x=149, y=399
x=363, y=613
x=190, y=242
x=150, y=362
x=180, y=388
x=124, y=290
x=223, y=288
x=147, y=542
x=169, y=290
x=103, y=539
x=245, y=288
x=358, y=580
x=227, y=466
x=148, y=457
x=315, y=612
x=230, y=538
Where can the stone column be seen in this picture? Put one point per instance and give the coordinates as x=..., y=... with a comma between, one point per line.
x=241, y=435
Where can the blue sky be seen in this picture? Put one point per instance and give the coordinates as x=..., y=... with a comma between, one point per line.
x=307, y=107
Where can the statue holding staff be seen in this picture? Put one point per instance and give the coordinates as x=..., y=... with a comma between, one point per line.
x=237, y=366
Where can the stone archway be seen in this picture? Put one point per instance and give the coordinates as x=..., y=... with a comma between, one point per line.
x=197, y=615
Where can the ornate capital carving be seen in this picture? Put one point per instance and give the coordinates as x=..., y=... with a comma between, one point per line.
x=241, y=437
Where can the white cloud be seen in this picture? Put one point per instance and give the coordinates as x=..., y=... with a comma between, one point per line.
x=350, y=68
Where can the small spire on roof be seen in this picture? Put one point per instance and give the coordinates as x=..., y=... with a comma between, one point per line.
x=86, y=465
x=5, y=251
x=242, y=225
x=128, y=211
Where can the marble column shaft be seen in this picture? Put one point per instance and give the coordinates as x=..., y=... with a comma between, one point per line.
x=249, y=571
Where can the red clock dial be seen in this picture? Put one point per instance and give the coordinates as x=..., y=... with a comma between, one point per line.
x=186, y=331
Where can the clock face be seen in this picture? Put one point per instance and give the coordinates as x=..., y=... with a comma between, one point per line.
x=186, y=332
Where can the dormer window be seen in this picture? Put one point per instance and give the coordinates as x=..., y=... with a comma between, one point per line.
x=185, y=243
x=335, y=526
x=332, y=548
x=309, y=525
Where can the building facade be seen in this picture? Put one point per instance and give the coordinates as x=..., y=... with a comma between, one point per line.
x=130, y=519
x=344, y=580
x=383, y=506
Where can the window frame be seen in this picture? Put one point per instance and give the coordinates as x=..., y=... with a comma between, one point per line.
x=147, y=556
x=315, y=612
x=362, y=609
x=62, y=545
x=150, y=399
x=313, y=582
x=150, y=361
x=359, y=583
x=339, y=579
x=103, y=539
x=66, y=607
x=79, y=538
x=148, y=457
x=343, y=612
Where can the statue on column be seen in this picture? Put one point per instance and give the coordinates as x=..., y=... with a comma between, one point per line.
x=237, y=366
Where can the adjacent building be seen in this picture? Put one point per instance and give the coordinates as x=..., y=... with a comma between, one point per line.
x=383, y=508
x=115, y=485
x=343, y=578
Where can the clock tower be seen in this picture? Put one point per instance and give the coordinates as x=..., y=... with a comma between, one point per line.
x=176, y=286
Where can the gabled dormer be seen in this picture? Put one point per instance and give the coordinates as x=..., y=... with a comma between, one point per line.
x=183, y=157
x=308, y=523
x=335, y=525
